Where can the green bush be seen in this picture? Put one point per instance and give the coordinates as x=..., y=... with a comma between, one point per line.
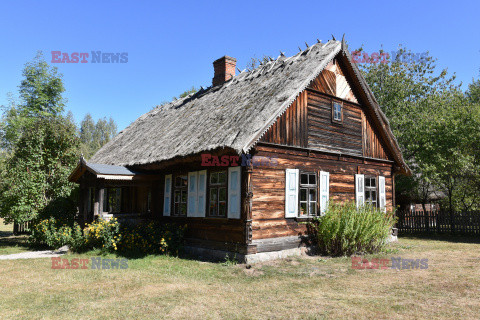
x=77, y=242
x=346, y=230
x=50, y=233
x=102, y=234
x=152, y=238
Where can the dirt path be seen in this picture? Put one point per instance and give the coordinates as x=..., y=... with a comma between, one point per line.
x=35, y=254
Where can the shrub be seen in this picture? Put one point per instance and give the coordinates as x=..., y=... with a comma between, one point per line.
x=103, y=234
x=77, y=241
x=153, y=238
x=346, y=230
x=48, y=233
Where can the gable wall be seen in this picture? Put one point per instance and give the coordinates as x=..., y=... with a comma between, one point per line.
x=291, y=128
x=307, y=123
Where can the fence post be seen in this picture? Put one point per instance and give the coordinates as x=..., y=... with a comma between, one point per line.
x=437, y=222
x=427, y=220
x=452, y=223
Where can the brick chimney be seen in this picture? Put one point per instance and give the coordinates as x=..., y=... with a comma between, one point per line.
x=224, y=70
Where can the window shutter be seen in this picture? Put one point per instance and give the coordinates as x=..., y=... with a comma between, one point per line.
x=167, y=195
x=382, y=198
x=359, y=189
x=291, y=193
x=192, y=194
x=201, y=193
x=324, y=190
x=234, y=185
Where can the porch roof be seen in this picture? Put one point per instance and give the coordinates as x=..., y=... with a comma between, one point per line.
x=102, y=171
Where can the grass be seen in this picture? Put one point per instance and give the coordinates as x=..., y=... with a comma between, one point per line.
x=302, y=287
x=8, y=242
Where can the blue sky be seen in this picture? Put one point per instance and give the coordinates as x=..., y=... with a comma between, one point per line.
x=171, y=45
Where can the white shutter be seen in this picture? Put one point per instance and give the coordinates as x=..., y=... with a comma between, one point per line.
x=381, y=193
x=360, y=189
x=324, y=190
x=167, y=203
x=291, y=193
x=192, y=194
x=201, y=193
x=234, y=185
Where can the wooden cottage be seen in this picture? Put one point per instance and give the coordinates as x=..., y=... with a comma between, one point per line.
x=244, y=162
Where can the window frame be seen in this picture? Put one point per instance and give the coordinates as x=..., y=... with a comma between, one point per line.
x=216, y=186
x=334, y=119
x=183, y=190
x=106, y=194
x=308, y=187
x=374, y=203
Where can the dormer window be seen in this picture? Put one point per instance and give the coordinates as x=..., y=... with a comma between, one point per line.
x=337, y=112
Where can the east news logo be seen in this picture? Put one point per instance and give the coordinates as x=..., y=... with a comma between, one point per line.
x=92, y=57
x=97, y=263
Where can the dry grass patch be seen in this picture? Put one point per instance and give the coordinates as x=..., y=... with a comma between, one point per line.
x=304, y=287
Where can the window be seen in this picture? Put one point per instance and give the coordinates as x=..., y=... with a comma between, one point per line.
x=371, y=191
x=308, y=194
x=112, y=202
x=180, y=196
x=91, y=200
x=218, y=194
x=337, y=112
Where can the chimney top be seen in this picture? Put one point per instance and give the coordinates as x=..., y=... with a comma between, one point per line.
x=224, y=70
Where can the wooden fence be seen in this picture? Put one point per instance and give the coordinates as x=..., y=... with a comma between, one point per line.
x=21, y=228
x=467, y=222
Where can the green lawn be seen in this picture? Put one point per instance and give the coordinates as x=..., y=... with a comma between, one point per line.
x=306, y=287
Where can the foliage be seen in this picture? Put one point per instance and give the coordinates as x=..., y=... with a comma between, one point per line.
x=94, y=135
x=52, y=234
x=153, y=238
x=36, y=174
x=40, y=93
x=346, y=230
x=435, y=124
x=39, y=147
x=186, y=93
x=473, y=92
x=254, y=62
x=102, y=234
x=77, y=242
x=41, y=89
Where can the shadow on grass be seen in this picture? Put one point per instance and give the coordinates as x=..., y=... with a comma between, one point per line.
x=4, y=234
x=455, y=238
x=10, y=242
x=132, y=255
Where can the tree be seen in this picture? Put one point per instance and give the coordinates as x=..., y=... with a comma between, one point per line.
x=40, y=96
x=41, y=89
x=36, y=175
x=473, y=92
x=94, y=135
x=426, y=111
x=40, y=147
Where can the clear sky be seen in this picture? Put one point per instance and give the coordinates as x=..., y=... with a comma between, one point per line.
x=171, y=44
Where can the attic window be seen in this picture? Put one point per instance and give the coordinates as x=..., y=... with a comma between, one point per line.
x=337, y=112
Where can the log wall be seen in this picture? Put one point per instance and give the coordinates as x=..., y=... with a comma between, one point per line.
x=268, y=183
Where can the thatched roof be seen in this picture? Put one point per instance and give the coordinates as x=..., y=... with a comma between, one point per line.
x=233, y=115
